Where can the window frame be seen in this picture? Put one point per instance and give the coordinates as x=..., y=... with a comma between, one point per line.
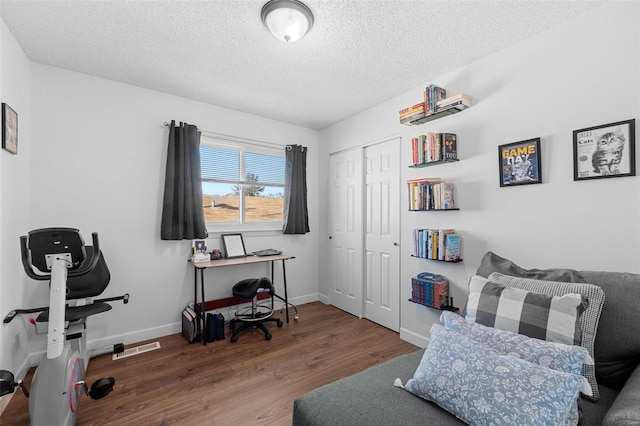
x=242, y=146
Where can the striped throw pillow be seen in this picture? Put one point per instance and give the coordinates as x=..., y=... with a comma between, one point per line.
x=551, y=318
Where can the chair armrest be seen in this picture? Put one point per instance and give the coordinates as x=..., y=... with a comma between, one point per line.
x=625, y=410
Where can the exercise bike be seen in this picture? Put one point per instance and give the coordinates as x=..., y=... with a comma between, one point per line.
x=76, y=273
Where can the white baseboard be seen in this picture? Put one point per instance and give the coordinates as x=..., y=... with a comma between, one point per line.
x=105, y=345
x=414, y=338
x=323, y=298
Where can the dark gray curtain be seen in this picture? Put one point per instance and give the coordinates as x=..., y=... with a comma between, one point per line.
x=296, y=215
x=182, y=212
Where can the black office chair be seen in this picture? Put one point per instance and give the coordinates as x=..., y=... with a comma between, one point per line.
x=249, y=289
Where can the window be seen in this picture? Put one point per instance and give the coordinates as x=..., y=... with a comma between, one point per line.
x=242, y=184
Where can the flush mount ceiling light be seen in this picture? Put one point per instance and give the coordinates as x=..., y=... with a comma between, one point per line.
x=288, y=20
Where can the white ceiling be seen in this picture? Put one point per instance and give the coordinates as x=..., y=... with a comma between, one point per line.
x=359, y=53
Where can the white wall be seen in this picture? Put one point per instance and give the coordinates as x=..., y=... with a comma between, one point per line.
x=583, y=73
x=99, y=153
x=14, y=201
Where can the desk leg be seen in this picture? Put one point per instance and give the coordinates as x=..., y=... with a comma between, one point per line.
x=202, y=313
x=195, y=287
x=286, y=298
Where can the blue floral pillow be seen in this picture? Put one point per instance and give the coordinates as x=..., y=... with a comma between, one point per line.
x=480, y=388
x=557, y=356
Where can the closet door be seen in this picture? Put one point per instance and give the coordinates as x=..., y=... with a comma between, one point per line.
x=382, y=233
x=345, y=231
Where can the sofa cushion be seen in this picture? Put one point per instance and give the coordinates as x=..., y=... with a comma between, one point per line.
x=483, y=389
x=369, y=398
x=617, y=345
x=551, y=318
x=588, y=321
x=617, y=342
x=625, y=411
x=557, y=356
x=491, y=262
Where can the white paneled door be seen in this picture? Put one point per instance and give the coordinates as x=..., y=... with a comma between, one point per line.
x=345, y=231
x=364, y=230
x=381, y=234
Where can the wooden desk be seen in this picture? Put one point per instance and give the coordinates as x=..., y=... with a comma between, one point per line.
x=201, y=266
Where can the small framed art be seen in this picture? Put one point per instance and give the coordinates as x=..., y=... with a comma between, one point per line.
x=520, y=163
x=605, y=151
x=9, y=129
x=233, y=245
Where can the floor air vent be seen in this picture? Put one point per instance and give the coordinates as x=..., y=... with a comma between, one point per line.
x=137, y=350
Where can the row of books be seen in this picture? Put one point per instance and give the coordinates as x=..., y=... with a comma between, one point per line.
x=434, y=100
x=430, y=290
x=430, y=194
x=437, y=244
x=434, y=147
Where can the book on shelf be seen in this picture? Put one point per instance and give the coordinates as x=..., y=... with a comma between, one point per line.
x=407, y=119
x=445, y=196
x=433, y=147
x=460, y=98
x=449, y=146
x=442, y=234
x=452, y=248
x=432, y=95
x=424, y=179
x=436, y=244
x=430, y=290
x=410, y=110
x=430, y=194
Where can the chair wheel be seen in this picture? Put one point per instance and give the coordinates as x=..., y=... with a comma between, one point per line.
x=267, y=337
x=279, y=323
x=234, y=339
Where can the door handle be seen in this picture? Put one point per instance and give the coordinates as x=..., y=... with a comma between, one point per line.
x=330, y=237
x=396, y=244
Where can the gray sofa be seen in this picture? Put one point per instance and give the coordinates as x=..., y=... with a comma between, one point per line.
x=369, y=397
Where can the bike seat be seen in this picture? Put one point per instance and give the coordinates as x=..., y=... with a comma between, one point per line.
x=75, y=313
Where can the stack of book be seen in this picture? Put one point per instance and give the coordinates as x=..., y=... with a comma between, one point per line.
x=430, y=290
x=434, y=101
x=430, y=194
x=460, y=101
x=434, y=147
x=436, y=244
x=432, y=95
x=412, y=113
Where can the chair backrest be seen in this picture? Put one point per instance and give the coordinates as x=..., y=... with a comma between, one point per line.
x=93, y=282
x=45, y=243
x=88, y=274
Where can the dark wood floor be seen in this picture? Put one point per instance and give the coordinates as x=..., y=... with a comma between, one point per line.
x=250, y=382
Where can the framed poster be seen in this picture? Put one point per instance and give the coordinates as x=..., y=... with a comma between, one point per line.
x=9, y=129
x=233, y=245
x=520, y=163
x=605, y=151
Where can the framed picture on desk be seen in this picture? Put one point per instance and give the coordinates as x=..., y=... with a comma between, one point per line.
x=233, y=245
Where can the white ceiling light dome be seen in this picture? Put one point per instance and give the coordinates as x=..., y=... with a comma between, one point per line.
x=288, y=20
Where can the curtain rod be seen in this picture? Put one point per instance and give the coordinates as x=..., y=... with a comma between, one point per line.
x=238, y=139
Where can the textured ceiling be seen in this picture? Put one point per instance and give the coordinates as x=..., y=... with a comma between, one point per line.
x=358, y=54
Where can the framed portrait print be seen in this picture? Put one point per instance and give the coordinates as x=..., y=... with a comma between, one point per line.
x=520, y=163
x=605, y=151
x=233, y=245
x=9, y=129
